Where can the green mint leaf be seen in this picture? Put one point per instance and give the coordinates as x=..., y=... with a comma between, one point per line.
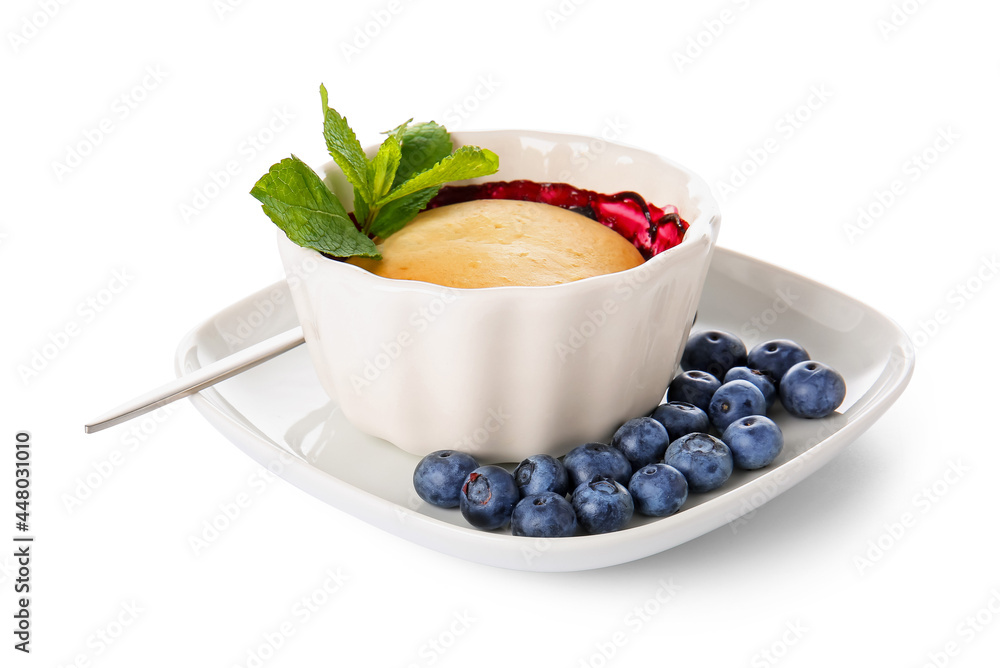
x=382, y=169
x=345, y=149
x=360, y=208
x=397, y=213
x=423, y=146
x=296, y=200
x=399, y=128
x=465, y=163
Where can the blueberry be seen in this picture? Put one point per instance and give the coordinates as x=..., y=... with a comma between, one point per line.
x=681, y=418
x=812, y=390
x=658, y=490
x=754, y=441
x=776, y=357
x=642, y=440
x=757, y=378
x=545, y=515
x=438, y=477
x=585, y=461
x=713, y=351
x=602, y=505
x=488, y=497
x=693, y=387
x=541, y=473
x=704, y=460
x=735, y=399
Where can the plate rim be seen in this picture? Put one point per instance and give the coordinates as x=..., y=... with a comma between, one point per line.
x=578, y=552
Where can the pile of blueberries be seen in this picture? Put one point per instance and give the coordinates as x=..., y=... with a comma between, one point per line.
x=652, y=462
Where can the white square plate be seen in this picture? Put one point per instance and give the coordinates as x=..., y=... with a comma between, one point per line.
x=279, y=415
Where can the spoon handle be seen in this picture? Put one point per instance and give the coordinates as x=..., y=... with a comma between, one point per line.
x=185, y=386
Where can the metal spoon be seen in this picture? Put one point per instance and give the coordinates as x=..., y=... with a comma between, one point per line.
x=207, y=376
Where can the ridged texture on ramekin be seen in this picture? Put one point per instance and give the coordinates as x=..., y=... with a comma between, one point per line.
x=504, y=373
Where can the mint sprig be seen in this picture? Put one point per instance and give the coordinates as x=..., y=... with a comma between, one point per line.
x=344, y=147
x=424, y=145
x=409, y=168
x=465, y=163
x=397, y=213
x=382, y=169
x=297, y=200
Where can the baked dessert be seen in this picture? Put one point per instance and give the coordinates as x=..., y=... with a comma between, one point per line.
x=496, y=242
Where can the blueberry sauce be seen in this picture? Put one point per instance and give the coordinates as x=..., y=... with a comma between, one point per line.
x=650, y=228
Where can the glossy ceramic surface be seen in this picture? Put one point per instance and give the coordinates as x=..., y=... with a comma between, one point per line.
x=507, y=372
x=279, y=414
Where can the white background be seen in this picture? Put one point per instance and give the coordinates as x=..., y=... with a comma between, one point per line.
x=202, y=78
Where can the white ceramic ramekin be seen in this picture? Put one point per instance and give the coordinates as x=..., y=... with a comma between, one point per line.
x=507, y=372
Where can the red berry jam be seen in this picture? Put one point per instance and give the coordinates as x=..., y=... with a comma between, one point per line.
x=651, y=229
